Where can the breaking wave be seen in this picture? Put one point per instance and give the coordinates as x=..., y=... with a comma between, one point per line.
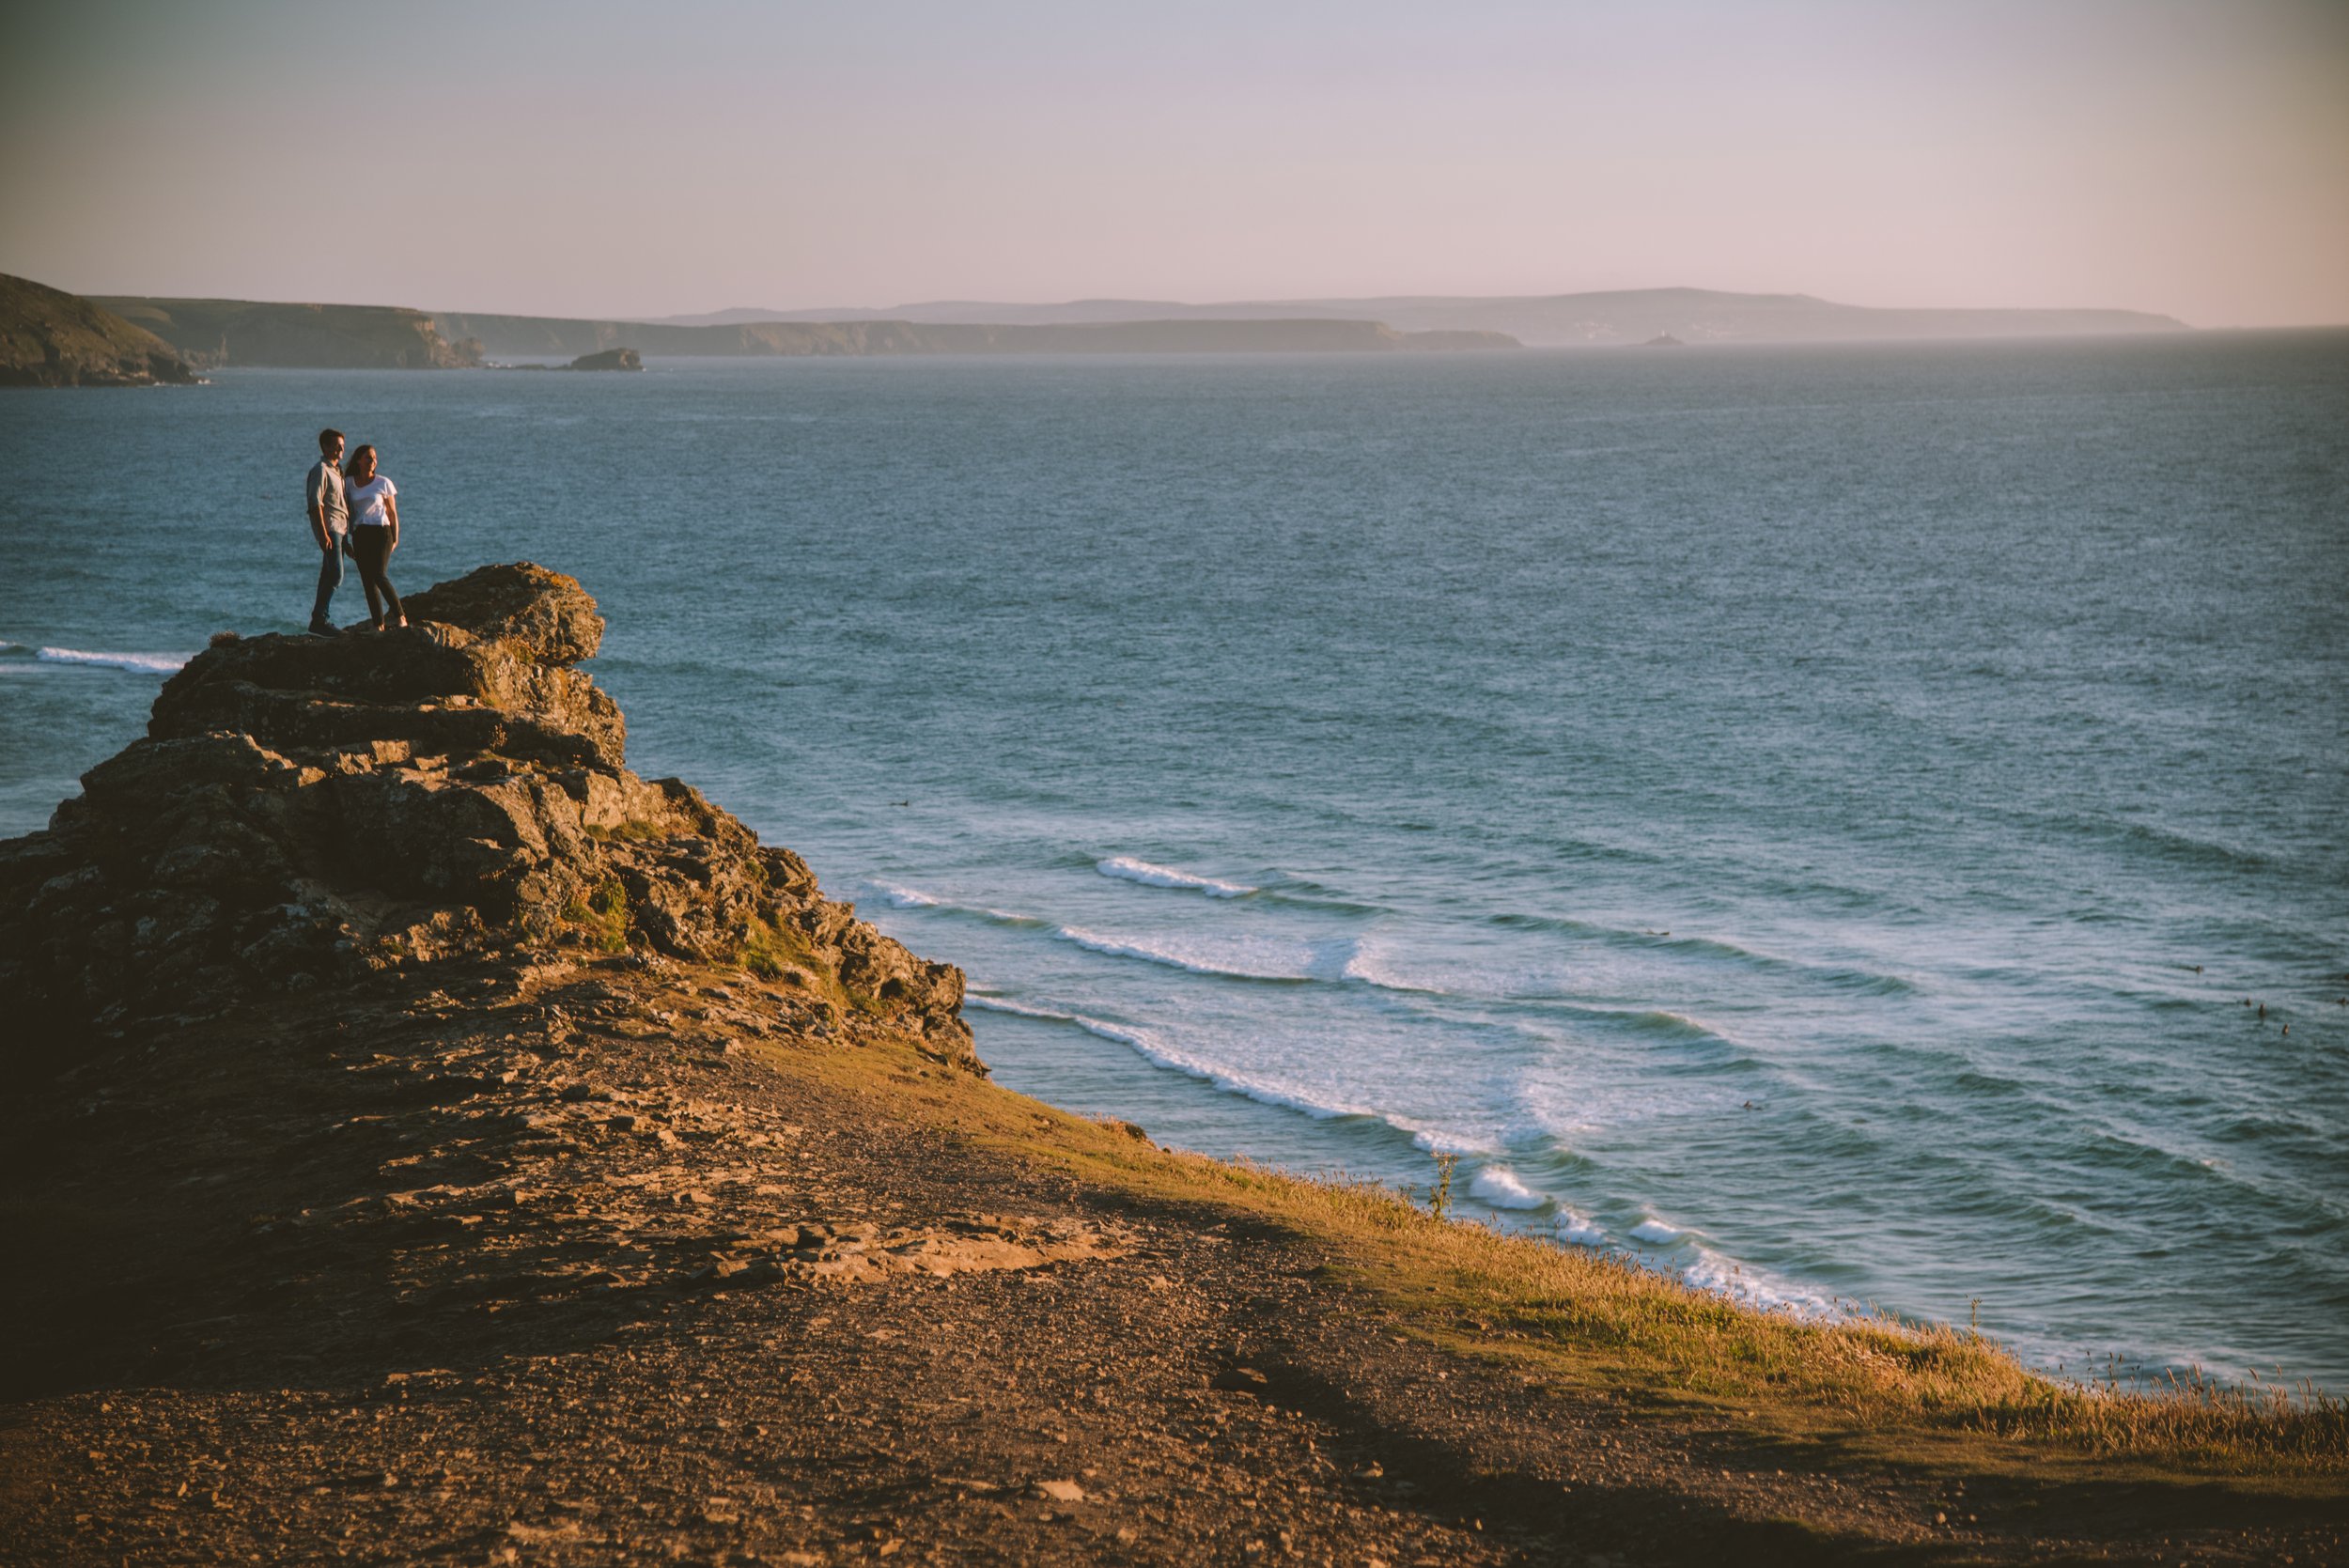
x=1497, y=1186
x=144, y=664
x=1127, y=869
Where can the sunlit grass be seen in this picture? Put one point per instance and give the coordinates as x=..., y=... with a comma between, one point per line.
x=1577, y=1318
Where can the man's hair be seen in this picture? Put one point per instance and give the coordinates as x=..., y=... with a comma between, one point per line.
x=328, y=438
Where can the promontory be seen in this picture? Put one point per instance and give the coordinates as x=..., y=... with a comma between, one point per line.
x=49, y=337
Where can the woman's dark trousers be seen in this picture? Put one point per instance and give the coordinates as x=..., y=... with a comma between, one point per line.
x=372, y=549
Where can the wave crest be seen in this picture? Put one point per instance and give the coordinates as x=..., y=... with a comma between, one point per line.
x=1125, y=868
x=143, y=663
x=1497, y=1187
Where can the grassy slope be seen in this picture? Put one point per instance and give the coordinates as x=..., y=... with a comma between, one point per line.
x=1835, y=1395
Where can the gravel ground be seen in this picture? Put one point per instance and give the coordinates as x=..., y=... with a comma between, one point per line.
x=606, y=1260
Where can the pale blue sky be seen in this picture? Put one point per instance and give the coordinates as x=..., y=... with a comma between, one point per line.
x=2184, y=156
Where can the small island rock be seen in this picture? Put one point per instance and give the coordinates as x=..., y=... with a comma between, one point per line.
x=611, y=359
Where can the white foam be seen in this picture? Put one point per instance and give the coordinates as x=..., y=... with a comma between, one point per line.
x=146, y=663
x=1018, y=1010
x=1156, y=1051
x=1497, y=1186
x=1438, y=1141
x=1231, y=1080
x=1578, y=1229
x=1755, y=1287
x=1654, y=1230
x=1153, y=1048
x=1126, y=868
x=914, y=898
x=1366, y=969
x=1220, y=958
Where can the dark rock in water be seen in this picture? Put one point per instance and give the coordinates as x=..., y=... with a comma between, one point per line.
x=611, y=359
x=309, y=811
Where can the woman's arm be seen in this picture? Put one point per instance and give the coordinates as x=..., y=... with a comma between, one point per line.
x=391, y=510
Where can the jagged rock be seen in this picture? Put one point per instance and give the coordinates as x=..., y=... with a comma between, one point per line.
x=308, y=811
x=544, y=613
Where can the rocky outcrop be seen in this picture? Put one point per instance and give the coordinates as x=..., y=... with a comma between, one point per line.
x=50, y=339
x=309, y=812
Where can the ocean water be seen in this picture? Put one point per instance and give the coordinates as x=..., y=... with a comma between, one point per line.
x=1813, y=817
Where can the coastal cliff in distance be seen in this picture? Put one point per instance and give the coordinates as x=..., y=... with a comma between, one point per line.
x=295, y=337
x=1626, y=316
x=49, y=337
x=543, y=334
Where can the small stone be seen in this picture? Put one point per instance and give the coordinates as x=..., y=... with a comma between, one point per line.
x=1060, y=1491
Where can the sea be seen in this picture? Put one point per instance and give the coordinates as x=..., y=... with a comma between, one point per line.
x=1863, y=829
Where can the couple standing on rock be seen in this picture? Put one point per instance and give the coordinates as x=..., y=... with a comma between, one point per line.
x=353, y=510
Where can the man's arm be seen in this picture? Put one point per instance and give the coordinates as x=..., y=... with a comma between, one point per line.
x=317, y=487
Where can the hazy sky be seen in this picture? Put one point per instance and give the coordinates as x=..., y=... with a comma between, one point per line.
x=2184, y=156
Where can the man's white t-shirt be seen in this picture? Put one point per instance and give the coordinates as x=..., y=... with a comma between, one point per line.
x=366, y=503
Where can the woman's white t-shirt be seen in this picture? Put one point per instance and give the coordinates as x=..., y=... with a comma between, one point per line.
x=366, y=503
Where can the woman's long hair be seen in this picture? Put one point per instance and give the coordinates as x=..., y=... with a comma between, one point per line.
x=353, y=466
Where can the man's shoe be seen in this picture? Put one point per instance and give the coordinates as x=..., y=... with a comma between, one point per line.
x=319, y=628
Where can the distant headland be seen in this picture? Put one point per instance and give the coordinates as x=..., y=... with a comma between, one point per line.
x=1625, y=316
x=545, y=335
x=50, y=337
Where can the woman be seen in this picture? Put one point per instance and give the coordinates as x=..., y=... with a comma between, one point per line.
x=374, y=534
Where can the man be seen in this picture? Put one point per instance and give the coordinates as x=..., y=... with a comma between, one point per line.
x=329, y=518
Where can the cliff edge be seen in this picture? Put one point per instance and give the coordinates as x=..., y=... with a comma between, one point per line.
x=307, y=812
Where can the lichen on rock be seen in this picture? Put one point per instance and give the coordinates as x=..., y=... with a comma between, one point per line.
x=308, y=812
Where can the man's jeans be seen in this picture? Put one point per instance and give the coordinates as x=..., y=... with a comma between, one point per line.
x=330, y=578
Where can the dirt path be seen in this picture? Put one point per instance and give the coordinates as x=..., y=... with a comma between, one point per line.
x=606, y=1262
